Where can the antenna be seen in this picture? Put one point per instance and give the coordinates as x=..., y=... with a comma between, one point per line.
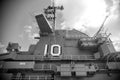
x=54, y=13
x=50, y=13
x=101, y=27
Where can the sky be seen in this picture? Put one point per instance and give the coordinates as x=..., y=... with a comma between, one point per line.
x=17, y=22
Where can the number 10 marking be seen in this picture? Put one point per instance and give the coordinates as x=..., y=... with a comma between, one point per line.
x=52, y=50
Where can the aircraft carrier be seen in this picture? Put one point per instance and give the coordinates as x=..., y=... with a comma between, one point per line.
x=61, y=54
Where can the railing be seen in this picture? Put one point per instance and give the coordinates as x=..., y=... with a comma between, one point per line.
x=66, y=57
x=76, y=57
x=62, y=57
x=33, y=77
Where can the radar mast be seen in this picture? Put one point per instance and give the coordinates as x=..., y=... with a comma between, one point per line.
x=50, y=13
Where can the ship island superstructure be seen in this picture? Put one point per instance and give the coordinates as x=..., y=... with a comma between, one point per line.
x=61, y=55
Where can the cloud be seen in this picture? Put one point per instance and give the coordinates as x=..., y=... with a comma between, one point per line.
x=1, y=45
x=2, y=48
x=117, y=45
x=85, y=15
x=116, y=42
x=28, y=29
x=77, y=13
x=27, y=37
x=114, y=8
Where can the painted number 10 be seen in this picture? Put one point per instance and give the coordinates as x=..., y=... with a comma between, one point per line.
x=53, y=49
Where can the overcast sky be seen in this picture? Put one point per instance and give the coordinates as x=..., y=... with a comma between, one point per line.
x=17, y=23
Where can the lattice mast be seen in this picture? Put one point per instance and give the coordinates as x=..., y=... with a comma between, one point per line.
x=50, y=13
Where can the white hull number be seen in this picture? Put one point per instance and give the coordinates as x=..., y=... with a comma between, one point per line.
x=55, y=50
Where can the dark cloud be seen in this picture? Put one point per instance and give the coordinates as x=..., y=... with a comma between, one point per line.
x=109, y=2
